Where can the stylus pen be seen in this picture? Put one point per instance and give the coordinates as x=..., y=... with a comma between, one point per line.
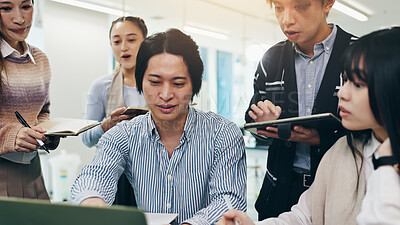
x=229, y=204
x=25, y=124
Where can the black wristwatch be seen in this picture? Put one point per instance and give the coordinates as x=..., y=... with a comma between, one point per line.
x=383, y=161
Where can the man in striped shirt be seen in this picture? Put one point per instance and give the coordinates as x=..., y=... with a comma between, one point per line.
x=178, y=159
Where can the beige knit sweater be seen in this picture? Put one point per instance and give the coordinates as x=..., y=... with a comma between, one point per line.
x=334, y=198
x=25, y=88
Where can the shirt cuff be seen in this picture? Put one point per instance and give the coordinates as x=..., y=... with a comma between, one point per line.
x=85, y=195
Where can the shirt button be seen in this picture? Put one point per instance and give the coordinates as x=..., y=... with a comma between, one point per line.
x=311, y=62
x=169, y=205
x=163, y=151
x=169, y=177
x=327, y=48
x=309, y=86
x=308, y=110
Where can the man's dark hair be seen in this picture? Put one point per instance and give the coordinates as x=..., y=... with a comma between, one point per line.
x=173, y=41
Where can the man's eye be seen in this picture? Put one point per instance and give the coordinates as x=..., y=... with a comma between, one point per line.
x=116, y=42
x=5, y=9
x=154, y=82
x=26, y=6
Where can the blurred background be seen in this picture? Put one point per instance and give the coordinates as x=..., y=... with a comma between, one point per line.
x=232, y=35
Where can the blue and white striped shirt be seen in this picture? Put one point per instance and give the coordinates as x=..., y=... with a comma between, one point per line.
x=208, y=163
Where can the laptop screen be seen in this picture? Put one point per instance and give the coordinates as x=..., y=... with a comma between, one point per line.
x=39, y=212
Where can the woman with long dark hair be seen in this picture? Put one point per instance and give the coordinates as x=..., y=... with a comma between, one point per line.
x=380, y=54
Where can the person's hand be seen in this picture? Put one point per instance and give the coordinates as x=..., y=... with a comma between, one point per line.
x=114, y=118
x=232, y=216
x=25, y=140
x=385, y=149
x=298, y=134
x=95, y=201
x=264, y=111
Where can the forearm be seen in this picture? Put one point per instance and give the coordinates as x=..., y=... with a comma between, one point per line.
x=94, y=201
x=92, y=136
x=99, y=178
x=95, y=111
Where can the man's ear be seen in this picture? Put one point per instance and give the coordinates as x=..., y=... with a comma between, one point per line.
x=328, y=4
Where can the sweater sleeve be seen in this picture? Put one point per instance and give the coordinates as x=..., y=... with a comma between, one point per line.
x=8, y=134
x=95, y=110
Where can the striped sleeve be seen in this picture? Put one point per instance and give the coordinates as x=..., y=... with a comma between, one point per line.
x=228, y=177
x=100, y=177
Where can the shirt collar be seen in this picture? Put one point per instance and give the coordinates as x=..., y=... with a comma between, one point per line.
x=371, y=147
x=187, y=129
x=326, y=44
x=7, y=50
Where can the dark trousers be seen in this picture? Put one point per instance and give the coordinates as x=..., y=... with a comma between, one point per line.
x=125, y=194
x=270, y=202
x=300, y=183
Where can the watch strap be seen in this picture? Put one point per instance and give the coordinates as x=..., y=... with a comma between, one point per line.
x=383, y=161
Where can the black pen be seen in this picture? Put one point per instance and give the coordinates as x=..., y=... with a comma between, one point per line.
x=25, y=124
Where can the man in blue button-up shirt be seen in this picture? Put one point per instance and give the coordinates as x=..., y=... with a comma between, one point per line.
x=178, y=159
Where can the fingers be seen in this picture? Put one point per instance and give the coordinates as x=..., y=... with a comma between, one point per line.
x=269, y=107
x=267, y=133
x=25, y=140
x=234, y=215
x=38, y=129
x=264, y=111
x=126, y=117
x=118, y=111
x=305, y=135
x=114, y=118
x=252, y=115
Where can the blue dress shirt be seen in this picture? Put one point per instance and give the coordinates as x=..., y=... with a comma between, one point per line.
x=309, y=75
x=209, y=162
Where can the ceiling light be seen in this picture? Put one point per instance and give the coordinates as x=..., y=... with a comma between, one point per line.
x=206, y=33
x=350, y=12
x=89, y=6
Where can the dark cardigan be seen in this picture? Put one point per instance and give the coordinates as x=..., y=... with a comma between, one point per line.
x=276, y=81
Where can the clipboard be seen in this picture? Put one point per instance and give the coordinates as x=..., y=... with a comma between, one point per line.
x=319, y=121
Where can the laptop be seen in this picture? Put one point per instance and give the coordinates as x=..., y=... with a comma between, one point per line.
x=15, y=211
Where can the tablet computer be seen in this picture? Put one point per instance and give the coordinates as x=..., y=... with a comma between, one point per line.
x=323, y=120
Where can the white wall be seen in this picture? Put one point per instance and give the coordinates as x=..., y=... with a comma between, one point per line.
x=76, y=42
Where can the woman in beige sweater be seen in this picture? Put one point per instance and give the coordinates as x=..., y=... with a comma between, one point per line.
x=335, y=196
x=24, y=83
